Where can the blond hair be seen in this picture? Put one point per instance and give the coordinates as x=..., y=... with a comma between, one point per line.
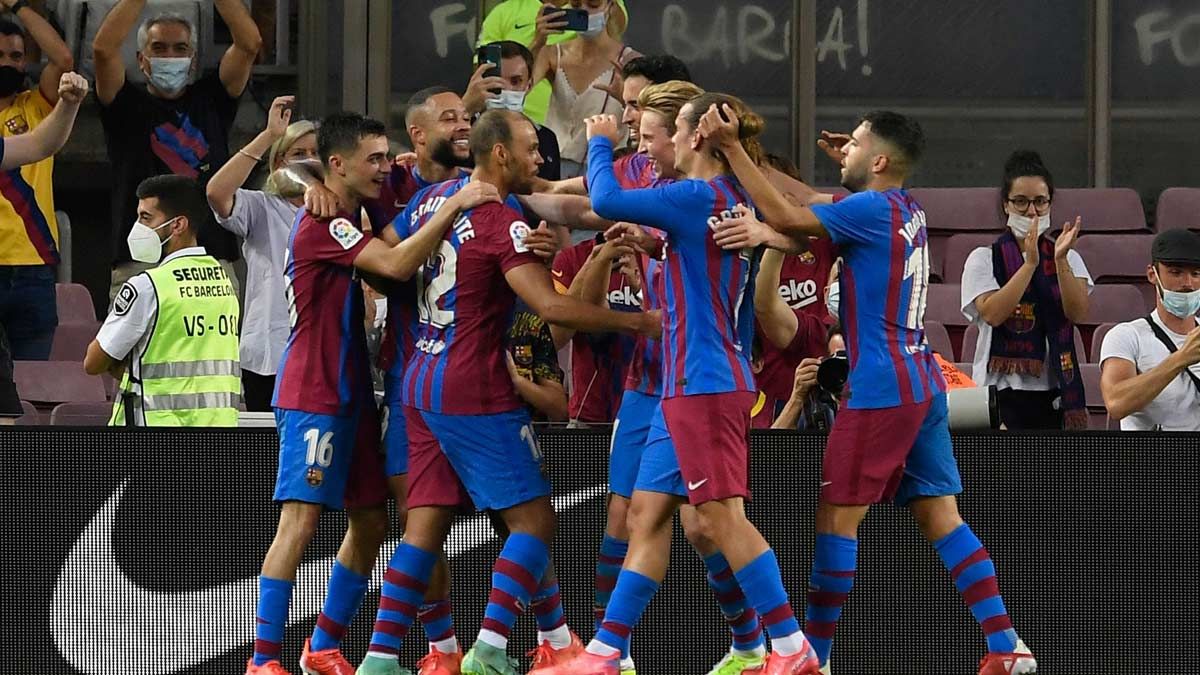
x=666, y=98
x=294, y=132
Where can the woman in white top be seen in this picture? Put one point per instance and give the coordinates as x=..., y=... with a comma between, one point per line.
x=581, y=73
x=263, y=218
x=1025, y=293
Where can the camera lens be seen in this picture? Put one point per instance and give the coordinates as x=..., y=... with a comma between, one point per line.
x=833, y=371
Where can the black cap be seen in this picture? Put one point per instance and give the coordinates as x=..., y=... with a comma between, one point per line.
x=1181, y=247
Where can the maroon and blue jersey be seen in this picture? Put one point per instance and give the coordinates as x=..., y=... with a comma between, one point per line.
x=645, y=368
x=635, y=170
x=885, y=280
x=402, y=184
x=708, y=292
x=464, y=306
x=324, y=368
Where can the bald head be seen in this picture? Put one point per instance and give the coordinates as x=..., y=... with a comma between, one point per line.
x=506, y=142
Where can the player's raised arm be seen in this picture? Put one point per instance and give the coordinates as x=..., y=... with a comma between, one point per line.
x=778, y=321
x=532, y=283
x=402, y=261
x=721, y=127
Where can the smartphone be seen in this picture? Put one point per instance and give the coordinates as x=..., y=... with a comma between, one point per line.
x=577, y=19
x=489, y=54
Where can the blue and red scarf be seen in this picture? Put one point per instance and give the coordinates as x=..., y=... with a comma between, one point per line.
x=1038, y=324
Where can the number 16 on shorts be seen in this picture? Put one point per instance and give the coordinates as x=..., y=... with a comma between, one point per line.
x=313, y=457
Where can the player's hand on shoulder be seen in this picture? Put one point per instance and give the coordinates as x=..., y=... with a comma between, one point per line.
x=320, y=201
x=603, y=126
x=475, y=193
x=542, y=242
x=720, y=126
x=743, y=230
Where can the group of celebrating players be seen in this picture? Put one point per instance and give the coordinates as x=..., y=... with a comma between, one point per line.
x=456, y=436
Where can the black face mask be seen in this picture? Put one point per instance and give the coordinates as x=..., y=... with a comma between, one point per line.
x=11, y=81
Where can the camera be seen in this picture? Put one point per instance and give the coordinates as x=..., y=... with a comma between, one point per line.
x=832, y=373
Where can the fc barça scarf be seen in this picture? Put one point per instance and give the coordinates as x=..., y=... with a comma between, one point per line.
x=1019, y=345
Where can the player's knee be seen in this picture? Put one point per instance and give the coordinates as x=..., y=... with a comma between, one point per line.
x=716, y=519
x=618, y=517
x=698, y=536
x=298, y=523
x=534, y=518
x=370, y=526
x=936, y=516
x=646, y=519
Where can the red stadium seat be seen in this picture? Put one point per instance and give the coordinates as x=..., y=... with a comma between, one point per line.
x=1102, y=209
x=29, y=415
x=81, y=414
x=74, y=304
x=941, y=306
x=958, y=249
x=56, y=382
x=939, y=339
x=1178, y=209
x=1098, y=341
x=71, y=340
x=1114, y=303
x=1118, y=259
x=950, y=211
x=1097, y=412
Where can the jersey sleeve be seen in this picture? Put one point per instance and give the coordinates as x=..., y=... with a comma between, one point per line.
x=337, y=241
x=508, y=231
x=132, y=311
x=855, y=219
x=674, y=208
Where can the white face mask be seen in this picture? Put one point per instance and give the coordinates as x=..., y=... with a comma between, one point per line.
x=833, y=297
x=509, y=99
x=1020, y=224
x=170, y=74
x=144, y=244
x=596, y=25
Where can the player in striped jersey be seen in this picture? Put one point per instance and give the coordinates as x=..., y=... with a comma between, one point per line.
x=892, y=440
x=470, y=437
x=698, y=449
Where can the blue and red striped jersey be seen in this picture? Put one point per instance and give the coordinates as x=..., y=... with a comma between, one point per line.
x=464, y=306
x=708, y=298
x=885, y=281
x=324, y=368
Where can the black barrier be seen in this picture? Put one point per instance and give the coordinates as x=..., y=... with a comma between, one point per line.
x=136, y=552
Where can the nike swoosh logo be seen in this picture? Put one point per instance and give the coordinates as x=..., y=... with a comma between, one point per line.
x=697, y=484
x=557, y=273
x=110, y=635
x=519, y=26
x=828, y=482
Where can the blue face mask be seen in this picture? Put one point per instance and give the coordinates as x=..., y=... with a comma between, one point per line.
x=170, y=74
x=1180, y=304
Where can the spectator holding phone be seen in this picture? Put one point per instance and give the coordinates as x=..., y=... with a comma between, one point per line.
x=514, y=64
x=263, y=219
x=581, y=72
x=518, y=20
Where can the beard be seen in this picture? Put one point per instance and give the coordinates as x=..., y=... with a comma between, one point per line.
x=443, y=153
x=854, y=182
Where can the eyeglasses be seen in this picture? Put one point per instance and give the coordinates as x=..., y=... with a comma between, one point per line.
x=1022, y=203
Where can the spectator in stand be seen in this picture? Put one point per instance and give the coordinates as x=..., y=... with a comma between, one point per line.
x=1025, y=293
x=519, y=21
x=533, y=366
x=599, y=273
x=1149, y=373
x=516, y=68
x=263, y=219
x=173, y=123
x=580, y=72
x=28, y=227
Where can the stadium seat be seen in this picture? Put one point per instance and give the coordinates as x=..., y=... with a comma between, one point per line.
x=1178, y=209
x=950, y=211
x=1097, y=413
x=81, y=414
x=958, y=249
x=56, y=382
x=1102, y=210
x=939, y=339
x=71, y=340
x=29, y=415
x=1114, y=303
x=74, y=304
x=1118, y=259
x=1098, y=341
x=971, y=340
x=941, y=306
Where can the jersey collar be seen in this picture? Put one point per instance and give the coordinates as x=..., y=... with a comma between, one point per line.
x=191, y=250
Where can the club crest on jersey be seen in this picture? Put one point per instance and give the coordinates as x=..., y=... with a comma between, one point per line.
x=344, y=233
x=518, y=231
x=808, y=258
x=314, y=476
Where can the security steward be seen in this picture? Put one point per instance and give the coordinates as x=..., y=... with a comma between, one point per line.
x=171, y=338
